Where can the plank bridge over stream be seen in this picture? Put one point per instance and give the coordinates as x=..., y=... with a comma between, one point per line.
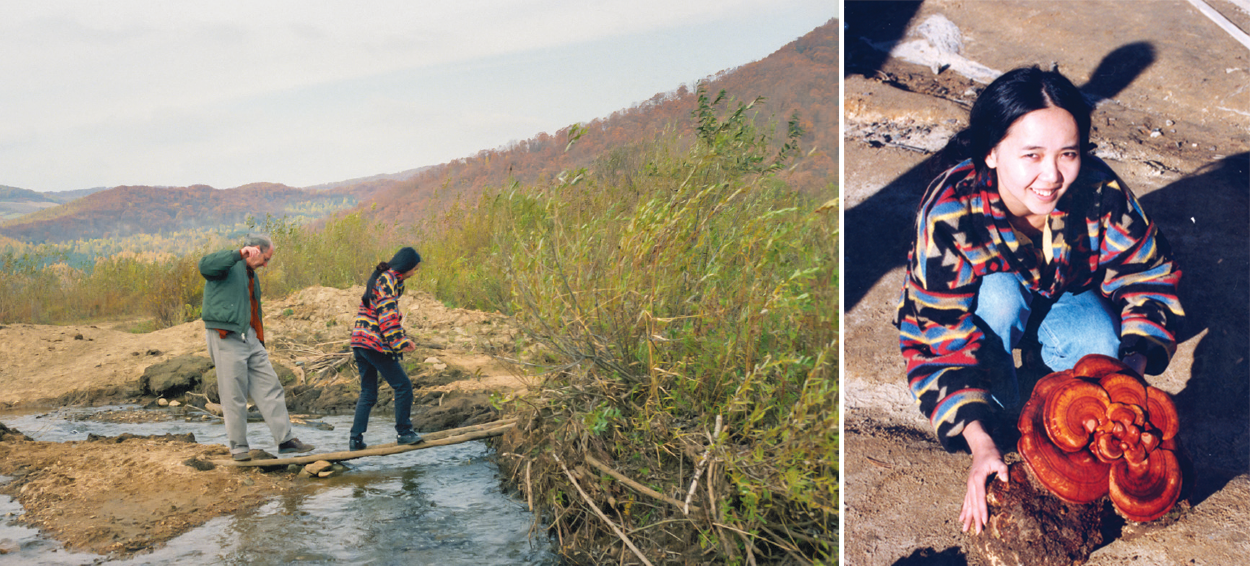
x=441, y=438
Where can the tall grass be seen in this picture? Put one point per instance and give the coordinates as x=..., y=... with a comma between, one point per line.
x=37, y=286
x=698, y=290
x=339, y=254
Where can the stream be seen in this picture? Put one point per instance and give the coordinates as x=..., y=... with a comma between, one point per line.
x=440, y=506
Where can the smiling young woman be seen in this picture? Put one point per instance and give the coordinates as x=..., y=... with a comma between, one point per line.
x=1035, y=164
x=1026, y=223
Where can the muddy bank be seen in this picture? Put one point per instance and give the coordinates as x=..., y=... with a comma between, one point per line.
x=457, y=367
x=49, y=366
x=119, y=496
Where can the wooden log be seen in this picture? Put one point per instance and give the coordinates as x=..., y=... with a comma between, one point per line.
x=441, y=438
x=1030, y=526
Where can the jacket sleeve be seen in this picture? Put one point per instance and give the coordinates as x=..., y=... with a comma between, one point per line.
x=937, y=331
x=217, y=264
x=1141, y=278
x=390, y=321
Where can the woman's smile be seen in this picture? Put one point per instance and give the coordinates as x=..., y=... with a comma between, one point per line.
x=1045, y=195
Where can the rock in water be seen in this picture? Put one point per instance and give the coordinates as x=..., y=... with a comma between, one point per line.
x=175, y=376
x=1031, y=527
x=317, y=467
x=9, y=434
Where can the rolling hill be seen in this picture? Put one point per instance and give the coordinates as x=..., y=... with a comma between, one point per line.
x=15, y=202
x=124, y=211
x=801, y=77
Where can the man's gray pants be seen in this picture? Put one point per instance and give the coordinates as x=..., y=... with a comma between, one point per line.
x=244, y=370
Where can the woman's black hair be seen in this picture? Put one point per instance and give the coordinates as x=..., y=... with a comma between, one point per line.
x=1010, y=96
x=403, y=261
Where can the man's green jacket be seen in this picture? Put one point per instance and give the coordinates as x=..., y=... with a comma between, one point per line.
x=226, y=305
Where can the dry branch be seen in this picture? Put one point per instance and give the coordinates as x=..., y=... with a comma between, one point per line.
x=529, y=489
x=698, y=469
x=635, y=485
x=593, y=507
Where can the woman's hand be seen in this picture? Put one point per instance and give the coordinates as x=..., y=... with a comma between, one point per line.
x=985, y=461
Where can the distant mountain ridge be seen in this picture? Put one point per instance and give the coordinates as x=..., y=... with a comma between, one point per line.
x=128, y=210
x=66, y=196
x=16, y=202
x=400, y=176
x=14, y=194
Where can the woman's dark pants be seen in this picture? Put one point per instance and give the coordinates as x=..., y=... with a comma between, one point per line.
x=371, y=363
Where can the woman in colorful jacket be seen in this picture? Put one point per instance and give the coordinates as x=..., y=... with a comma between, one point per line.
x=378, y=344
x=1026, y=222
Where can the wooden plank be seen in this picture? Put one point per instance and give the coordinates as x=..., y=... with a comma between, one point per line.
x=441, y=438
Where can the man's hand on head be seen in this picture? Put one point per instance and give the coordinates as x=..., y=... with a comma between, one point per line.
x=254, y=256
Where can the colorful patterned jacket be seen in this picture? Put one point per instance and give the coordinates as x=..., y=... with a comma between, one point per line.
x=1100, y=238
x=379, y=325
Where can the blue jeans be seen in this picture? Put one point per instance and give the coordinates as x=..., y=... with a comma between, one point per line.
x=371, y=363
x=1076, y=325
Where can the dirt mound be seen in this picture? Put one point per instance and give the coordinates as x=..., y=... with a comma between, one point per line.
x=42, y=365
x=308, y=333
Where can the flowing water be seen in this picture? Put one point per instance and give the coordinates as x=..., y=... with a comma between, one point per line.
x=442, y=505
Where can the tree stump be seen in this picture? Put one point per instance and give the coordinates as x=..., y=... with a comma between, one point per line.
x=1029, y=526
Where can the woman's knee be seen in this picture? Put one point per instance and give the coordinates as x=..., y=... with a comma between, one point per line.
x=368, y=397
x=1003, y=306
x=1062, y=347
x=1099, y=337
x=1078, y=325
x=401, y=385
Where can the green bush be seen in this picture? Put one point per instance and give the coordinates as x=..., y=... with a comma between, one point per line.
x=699, y=289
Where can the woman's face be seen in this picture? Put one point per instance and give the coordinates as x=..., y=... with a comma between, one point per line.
x=409, y=273
x=1036, y=162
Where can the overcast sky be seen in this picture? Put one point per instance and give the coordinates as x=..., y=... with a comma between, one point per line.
x=130, y=92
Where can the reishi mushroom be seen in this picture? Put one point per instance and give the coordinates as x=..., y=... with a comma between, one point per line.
x=1098, y=430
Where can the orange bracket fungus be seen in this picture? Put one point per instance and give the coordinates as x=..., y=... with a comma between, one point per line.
x=1097, y=430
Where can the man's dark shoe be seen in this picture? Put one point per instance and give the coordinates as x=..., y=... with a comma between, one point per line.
x=294, y=445
x=356, y=444
x=410, y=438
x=242, y=456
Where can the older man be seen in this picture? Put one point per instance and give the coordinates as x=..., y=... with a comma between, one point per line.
x=236, y=342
